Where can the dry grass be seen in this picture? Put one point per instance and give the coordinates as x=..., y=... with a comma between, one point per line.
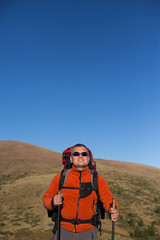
x=136, y=187
x=21, y=157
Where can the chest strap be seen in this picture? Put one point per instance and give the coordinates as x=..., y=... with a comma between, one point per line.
x=76, y=221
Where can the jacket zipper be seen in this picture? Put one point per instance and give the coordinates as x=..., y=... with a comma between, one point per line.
x=78, y=199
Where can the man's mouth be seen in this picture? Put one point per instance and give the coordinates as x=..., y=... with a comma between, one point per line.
x=80, y=160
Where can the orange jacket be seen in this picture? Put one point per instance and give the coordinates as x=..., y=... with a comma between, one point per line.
x=72, y=205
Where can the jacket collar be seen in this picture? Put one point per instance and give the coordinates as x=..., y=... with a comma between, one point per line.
x=84, y=171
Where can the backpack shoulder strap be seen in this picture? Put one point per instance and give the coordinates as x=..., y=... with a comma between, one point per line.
x=94, y=180
x=63, y=177
x=94, y=176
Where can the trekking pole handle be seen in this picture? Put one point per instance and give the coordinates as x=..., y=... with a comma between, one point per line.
x=59, y=192
x=114, y=204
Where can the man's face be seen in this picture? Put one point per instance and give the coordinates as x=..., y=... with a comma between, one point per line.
x=80, y=161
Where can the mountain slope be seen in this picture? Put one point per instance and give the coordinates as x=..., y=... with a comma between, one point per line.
x=24, y=157
x=16, y=157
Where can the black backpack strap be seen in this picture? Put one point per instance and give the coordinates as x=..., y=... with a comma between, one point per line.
x=94, y=180
x=96, y=219
x=63, y=178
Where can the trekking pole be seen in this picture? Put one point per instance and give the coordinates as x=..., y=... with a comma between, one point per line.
x=58, y=220
x=113, y=223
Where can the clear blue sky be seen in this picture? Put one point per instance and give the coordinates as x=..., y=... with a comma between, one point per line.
x=82, y=72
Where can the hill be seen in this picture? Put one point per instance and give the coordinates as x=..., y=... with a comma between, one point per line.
x=27, y=170
x=19, y=157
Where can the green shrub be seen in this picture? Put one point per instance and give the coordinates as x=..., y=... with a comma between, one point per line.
x=140, y=223
x=157, y=210
x=145, y=233
x=131, y=222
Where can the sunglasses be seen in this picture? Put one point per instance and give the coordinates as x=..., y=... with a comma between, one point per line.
x=84, y=154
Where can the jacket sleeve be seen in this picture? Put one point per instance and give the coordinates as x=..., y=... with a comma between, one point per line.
x=106, y=195
x=52, y=190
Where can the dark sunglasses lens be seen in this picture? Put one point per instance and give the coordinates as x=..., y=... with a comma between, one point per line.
x=84, y=154
x=76, y=154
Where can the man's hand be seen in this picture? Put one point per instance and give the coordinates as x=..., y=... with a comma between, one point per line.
x=114, y=214
x=58, y=199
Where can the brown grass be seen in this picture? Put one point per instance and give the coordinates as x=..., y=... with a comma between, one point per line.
x=18, y=157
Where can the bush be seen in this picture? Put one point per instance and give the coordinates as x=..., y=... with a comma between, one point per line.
x=140, y=223
x=131, y=222
x=157, y=210
x=145, y=233
x=150, y=231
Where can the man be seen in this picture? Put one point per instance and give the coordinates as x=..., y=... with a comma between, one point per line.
x=79, y=204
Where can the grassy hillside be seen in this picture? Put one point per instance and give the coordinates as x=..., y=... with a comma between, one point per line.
x=26, y=172
x=19, y=157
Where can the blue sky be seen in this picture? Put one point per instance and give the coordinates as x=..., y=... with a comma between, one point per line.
x=82, y=72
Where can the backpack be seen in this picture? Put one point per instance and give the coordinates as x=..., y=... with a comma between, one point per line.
x=94, y=177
